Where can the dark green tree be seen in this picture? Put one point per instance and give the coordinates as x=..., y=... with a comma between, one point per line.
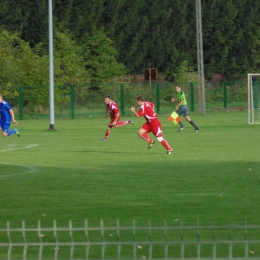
x=62, y=13
x=130, y=32
x=152, y=33
x=179, y=37
x=230, y=37
x=84, y=15
x=14, y=15
x=29, y=19
x=99, y=57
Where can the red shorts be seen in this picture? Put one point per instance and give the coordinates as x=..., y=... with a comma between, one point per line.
x=155, y=128
x=112, y=119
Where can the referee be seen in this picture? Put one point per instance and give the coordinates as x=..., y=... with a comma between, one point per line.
x=182, y=109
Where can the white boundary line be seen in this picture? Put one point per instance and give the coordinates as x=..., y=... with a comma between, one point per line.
x=25, y=147
x=29, y=170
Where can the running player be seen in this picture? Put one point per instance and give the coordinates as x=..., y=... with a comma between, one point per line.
x=7, y=116
x=182, y=109
x=152, y=124
x=112, y=107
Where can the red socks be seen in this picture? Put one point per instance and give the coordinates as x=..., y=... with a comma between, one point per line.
x=166, y=145
x=146, y=137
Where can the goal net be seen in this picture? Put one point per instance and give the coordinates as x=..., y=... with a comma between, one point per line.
x=253, y=81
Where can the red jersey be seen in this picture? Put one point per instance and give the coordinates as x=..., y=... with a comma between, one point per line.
x=113, y=109
x=146, y=110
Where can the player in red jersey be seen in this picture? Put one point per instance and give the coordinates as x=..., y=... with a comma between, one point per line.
x=152, y=124
x=112, y=107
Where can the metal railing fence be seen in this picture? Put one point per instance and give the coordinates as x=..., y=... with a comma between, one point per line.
x=88, y=100
x=175, y=241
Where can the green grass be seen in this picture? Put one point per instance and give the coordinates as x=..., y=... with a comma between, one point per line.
x=72, y=175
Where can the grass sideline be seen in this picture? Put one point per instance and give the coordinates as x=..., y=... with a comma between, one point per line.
x=70, y=174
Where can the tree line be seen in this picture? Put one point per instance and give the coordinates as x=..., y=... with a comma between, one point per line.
x=101, y=40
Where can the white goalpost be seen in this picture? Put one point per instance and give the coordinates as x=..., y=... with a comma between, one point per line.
x=253, y=82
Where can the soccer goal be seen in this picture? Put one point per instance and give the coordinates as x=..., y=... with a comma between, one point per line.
x=253, y=81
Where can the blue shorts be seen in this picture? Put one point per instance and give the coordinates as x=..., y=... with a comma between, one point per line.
x=183, y=111
x=4, y=126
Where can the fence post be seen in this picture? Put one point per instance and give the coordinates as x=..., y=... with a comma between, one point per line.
x=192, y=96
x=157, y=89
x=72, y=101
x=122, y=99
x=20, y=102
x=225, y=94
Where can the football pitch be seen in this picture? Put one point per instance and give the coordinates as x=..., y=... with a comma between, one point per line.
x=71, y=174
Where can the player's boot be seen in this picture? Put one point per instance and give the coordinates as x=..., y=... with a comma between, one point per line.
x=197, y=130
x=181, y=128
x=151, y=144
x=17, y=132
x=104, y=139
x=169, y=151
x=130, y=122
